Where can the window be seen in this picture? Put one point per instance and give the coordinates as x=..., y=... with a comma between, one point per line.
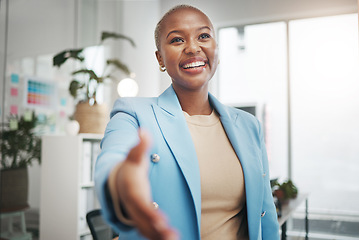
x=252, y=73
x=325, y=111
x=324, y=106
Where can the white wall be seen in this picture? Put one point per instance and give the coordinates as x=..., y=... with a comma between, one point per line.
x=139, y=21
x=40, y=27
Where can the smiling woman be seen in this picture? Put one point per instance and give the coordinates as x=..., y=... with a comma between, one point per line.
x=188, y=49
x=183, y=165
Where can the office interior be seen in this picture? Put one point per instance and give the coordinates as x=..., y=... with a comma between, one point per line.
x=293, y=64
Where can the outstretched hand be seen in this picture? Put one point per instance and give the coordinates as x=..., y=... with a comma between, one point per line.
x=134, y=191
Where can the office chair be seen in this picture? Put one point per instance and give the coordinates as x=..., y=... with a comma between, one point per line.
x=99, y=229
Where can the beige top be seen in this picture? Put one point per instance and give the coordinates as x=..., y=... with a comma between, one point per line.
x=222, y=181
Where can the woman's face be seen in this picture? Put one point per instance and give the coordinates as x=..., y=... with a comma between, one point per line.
x=188, y=49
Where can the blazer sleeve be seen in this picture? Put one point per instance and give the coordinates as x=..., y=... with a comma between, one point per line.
x=121, y=135
x=269, y=221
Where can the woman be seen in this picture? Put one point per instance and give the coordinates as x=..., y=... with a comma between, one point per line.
x=204, y=173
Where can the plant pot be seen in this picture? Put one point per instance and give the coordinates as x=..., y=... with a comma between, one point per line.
x=92, y=119
x=14, y=189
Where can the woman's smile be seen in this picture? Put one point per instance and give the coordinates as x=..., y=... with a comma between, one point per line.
x=193, y=65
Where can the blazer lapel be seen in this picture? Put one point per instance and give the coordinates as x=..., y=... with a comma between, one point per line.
x=174, y=129
x=245, y=149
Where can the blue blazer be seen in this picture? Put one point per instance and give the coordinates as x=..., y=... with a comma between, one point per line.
x=175, y=179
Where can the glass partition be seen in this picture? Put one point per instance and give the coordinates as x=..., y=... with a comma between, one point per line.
x=31, y=33
x=252, y=74
x=325, y=116
x=323, y=137
x=3, y=53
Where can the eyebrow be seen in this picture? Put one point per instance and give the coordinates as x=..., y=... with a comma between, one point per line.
x=178, y=31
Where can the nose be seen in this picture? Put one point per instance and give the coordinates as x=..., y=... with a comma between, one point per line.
x=192, y=47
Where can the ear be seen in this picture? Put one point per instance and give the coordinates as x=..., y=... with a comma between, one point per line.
x=159, y=58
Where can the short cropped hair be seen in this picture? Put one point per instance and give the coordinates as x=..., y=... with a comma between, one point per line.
x=159, y=25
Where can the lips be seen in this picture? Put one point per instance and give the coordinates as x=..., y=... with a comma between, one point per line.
x=192, y=63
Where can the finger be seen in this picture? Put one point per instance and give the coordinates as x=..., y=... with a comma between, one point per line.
x=136, y=154
x=148, y=219
x=170, y=234
x=155, y=226
x=140, y=208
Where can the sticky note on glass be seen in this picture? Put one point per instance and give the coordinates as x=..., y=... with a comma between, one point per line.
x=14, y=92
x=41, y=118
x=14, y=78
x=51, y=118
x=28, y=116
x=13, y=109
x=52, y=128
x=62, y=114
x=63, y=101
x=13, y=124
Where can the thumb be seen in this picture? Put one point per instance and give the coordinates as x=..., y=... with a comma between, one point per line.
x=137, y=152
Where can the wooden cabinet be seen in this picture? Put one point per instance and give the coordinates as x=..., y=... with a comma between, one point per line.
x=67, y=188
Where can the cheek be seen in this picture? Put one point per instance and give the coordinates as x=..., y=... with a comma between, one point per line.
x=170, y=55
x=212, y=53
x=215, y=49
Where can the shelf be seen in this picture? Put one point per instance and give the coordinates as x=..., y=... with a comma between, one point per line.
x=87, y=185
x=67, y=190
x=84, y=232
x=91, y=136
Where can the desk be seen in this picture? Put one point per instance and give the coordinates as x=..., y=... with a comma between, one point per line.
x=287, y=211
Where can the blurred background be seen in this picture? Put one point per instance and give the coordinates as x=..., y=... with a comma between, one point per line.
x=293, y=64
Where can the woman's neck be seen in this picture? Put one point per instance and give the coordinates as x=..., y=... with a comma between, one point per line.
x=194, y=102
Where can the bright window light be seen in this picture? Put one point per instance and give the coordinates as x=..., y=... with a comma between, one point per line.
x=95, y=60
x=253, y=73
x=325, y=116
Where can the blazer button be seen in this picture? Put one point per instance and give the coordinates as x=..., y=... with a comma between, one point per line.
x=263, y=213
x=155, y=158
x=155, y=205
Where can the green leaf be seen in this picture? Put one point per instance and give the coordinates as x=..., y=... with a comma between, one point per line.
x=90, y=72
x=100, y=79
x=62, y=57
x=120, y=65
x=74, y=87
x=106, y=35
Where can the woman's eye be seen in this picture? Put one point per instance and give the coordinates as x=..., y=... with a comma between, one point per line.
x=175, y=40
x=204, y=36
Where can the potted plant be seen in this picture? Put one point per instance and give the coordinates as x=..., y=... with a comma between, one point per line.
x=284, y=191
x=19, y=147
x=91, y=115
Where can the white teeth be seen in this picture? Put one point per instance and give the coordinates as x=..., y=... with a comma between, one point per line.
x=194, y=64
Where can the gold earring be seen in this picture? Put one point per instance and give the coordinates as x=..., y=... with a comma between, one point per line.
x=162, y=68
x=219, y=61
